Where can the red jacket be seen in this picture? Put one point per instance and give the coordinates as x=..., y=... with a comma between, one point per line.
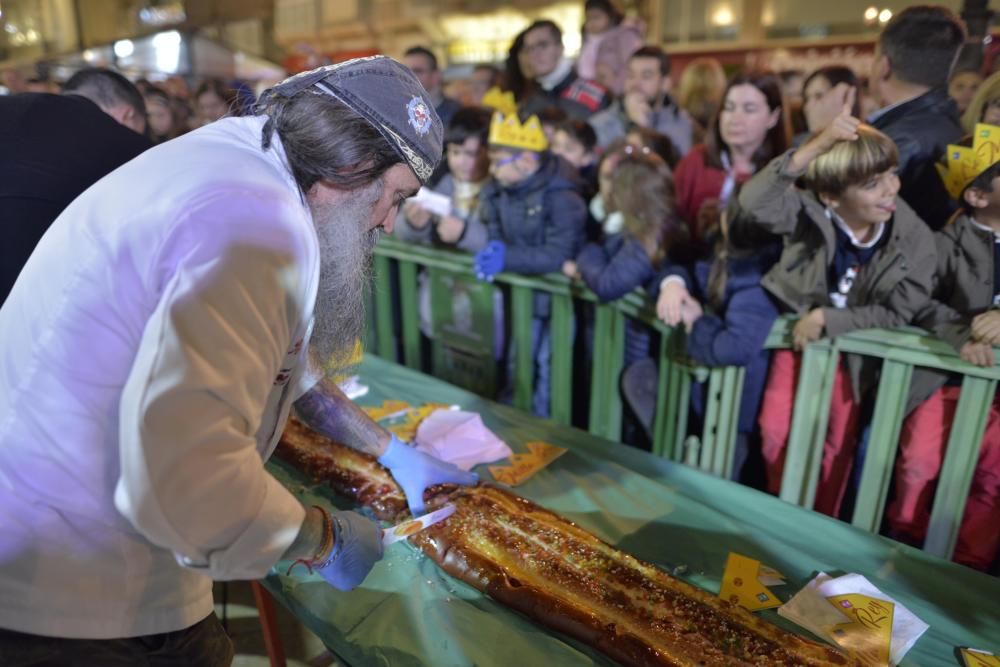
x=695, y=183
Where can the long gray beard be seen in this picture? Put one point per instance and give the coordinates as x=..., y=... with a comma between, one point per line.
x=346, y=247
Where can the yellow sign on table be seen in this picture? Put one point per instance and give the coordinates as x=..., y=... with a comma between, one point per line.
x=411, y=416
x=976, y=658
x=524, y=466
x=742, y=585
x=867, y=636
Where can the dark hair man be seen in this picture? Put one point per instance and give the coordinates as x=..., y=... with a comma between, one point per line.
x=113, y=93
x=54, y=148
x=151, y=351
x=424, y=65
x=557, y=82
x=646, y=102
x=909, y=79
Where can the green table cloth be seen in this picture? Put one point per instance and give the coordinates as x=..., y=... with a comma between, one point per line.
x=408, y=612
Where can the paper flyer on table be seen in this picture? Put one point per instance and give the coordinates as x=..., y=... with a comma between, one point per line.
x=745, y=582
x=851, y=612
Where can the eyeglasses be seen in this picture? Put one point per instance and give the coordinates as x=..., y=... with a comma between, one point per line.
x=504, y=161
x=631, y=149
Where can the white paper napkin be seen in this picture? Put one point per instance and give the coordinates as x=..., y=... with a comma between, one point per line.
x=810, y=609
x=461, y=438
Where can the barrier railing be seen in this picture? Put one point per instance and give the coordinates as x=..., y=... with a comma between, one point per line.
x=901, y=351
x=713, y=449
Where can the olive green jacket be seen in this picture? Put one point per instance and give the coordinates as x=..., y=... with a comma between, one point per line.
x=889, y=291
x=963, y=289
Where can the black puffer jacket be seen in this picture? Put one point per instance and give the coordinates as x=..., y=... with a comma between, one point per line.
x=922, y=129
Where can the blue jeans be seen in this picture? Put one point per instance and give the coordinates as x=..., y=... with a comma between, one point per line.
x=541, y=353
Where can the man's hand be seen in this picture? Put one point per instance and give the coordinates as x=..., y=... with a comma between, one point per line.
x=450, y=229
x=414, y=471
x=673, y=295
x=570, y=269
x=490, y=260
x=416, y=215
x=357, y=547
x=637, y=109
x=986, y=327
x=980, y=354
x=808, y=328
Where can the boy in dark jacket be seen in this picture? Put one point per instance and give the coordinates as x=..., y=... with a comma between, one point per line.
x=855, y=256
x=535, y=216
x=965, y=312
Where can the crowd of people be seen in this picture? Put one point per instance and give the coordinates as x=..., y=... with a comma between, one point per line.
x=731, y=201
x=725, y=199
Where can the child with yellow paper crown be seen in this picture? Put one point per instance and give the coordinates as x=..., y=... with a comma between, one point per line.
x=964, y=312
x=535, y=218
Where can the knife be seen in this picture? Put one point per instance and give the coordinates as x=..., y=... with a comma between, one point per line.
x=413, y=526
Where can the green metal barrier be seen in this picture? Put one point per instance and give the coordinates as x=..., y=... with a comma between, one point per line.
x=901, y=351
x=711, y=451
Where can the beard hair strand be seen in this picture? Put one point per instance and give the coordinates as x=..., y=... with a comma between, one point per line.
x=346, y=252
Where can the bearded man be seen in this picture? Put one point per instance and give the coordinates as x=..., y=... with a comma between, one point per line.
x=150, y=353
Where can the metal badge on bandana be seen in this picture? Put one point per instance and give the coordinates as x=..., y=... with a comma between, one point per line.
x=420, y=117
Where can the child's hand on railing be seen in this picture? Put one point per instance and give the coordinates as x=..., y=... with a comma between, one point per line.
x=490, y=260
x=986, y=327
x=977, y=353
x=690, y=312
x=808, y=328
x=571, y=270
x=673, y=295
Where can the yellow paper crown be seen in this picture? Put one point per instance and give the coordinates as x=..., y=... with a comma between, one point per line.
x=963, y=164
x=499, y=100
x=508, y=132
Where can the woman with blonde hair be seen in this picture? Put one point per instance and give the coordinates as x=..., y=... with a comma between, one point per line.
x=985, y=106
x=700, y=90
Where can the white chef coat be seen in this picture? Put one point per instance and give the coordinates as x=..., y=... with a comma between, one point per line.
x=149, y=353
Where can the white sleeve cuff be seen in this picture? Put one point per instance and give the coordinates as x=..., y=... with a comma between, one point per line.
x=672, y=279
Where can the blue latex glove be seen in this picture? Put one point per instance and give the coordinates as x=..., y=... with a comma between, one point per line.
x=490, y=260
x=415, y=471
x=357, y=547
